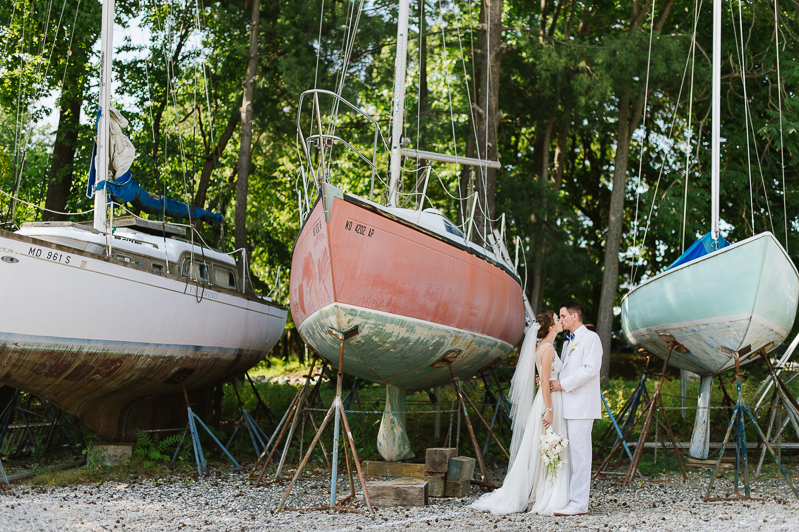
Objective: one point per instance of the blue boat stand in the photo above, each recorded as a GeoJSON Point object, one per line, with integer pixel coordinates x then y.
{"type": "Point", "coordinates": [199, 457]}
{"type": "Point", "coordinates": [738, 418]}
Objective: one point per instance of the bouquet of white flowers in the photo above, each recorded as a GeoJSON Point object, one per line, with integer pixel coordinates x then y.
{"type": "Point", "coordinates": [552, 447]}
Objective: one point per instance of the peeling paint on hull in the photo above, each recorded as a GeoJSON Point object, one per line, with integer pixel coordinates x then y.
{"type": "Point", "coordinates": [105, 341]}
{"type": "Point", "coordinates": [413, 295]}
{"type": "Point", "coordinates": [742, 295]}
{"type": "Point", "coordinates": [398, 350]}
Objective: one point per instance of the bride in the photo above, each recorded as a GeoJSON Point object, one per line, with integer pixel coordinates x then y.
{"type": "Point", "coordinates": [527, 485]}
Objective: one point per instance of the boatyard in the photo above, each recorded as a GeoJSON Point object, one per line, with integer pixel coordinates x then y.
{"type": "Point", "coordinates": [392, 265]}
{"type": "Point", "coordinates": [224, 501]}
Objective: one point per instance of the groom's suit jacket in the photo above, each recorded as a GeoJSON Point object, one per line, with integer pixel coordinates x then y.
{"type": "Point", "coordinates": [579, 377]}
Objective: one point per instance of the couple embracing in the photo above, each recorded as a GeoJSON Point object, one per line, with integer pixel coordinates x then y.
{"type": "Point", "coordinates": [562, 412]}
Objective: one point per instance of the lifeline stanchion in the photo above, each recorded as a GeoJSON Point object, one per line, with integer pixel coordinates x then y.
{"type": "Point", "coordinates": [655, 404]}
{"type": "Point", "coordinates": [199, 457]}
{"type": "Point", "coordinates": [336, 408]}
{"type": "Point", "coordinates": [737, 418]}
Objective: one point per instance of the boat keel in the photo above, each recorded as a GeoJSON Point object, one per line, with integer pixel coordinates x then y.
{"type": "Point", "coordinates": [700, 439]}
{"type": "Point", "coordinates": [392, 438]}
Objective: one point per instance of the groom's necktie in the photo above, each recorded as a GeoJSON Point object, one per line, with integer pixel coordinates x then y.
{"type": "Point", "coordinates": [570, 337]}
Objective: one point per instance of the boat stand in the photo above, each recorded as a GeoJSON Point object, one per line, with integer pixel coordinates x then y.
{"type": "Point", "coordinates": [298, 407]}
{"type": "Point", "coordinates": [791, 417]}
{"type": "Point", "coordinates": [199, 457]}
{"type": "Point", "coordinates": [3, 472]}
{"type": "Point", "coordinates": [628, 412]}
{"type": "Point", "coordinates": [13, 406]}
{"type": "Point", "coordinates": [257, 435]}
{"type": "Point", "coordinates": [463, 399]}
{"type": "Point", "coordinates": [271, 417]}
{"type": "Point", "coordinates": [336, 408]}
{"type": "Point", "coordinates": [501, 402]}
{"type": "Point", "coordinates": [654, 405]}
{"type": "Point", "coordinates": [737, 418]}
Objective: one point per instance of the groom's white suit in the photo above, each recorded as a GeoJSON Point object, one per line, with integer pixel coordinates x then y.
{"type": "Point", "coordinates": [579, 380]}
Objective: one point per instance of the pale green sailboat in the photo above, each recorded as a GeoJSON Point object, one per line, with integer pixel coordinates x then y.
{"type": "Point", "coordinates": [738, 298]}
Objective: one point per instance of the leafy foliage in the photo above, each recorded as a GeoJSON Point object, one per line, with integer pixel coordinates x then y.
{"type": "Point", "coordinates": [154, 451]}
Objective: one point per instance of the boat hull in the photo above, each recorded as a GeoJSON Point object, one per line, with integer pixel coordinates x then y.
{"type": "Point", "coordinates": [109, 343]}
{"type": "Point", "coordinates": [744, 295]}
{"type": "Point", "coordinates": [413, 296]}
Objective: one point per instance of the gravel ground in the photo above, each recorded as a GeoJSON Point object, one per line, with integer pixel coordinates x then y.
{"type": "Point", "coordinates": [223, 500]}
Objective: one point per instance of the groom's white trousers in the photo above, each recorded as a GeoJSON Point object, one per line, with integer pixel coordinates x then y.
{"type": "Point", "coordinates": [579, 434]}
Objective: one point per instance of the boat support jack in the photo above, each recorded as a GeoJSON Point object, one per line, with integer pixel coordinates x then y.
{"type": "Point", "coordinates": [737, 418]}
{"type": "Point", "coordinates": [191, 427]}
{"type": "Point", "coordinates": [654, 405]}
{"type": "Point", "coordinates": [340, 417]}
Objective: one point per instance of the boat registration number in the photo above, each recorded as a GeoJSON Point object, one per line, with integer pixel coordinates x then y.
{"type": "Point", "coordinates": [54, 256]}
{"type": "Point", "coordinates": [360, 229]}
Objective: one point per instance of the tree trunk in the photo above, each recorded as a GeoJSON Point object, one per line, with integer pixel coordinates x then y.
{"type": "Point", "coordinates": [628, 122]}
{"type": "Point", "coordinates": [245, 153]}
{"type": "Point", "coordinates": [610, 274]}
{"type": "Point", "coordinates": [492, 47]}
{"type": "Point", "coordinates": [212, 159]}
{"type": "Point", "coordinates": [59, 182]}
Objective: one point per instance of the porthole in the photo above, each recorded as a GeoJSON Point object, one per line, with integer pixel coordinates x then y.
{"type": "Point", "coordinates": [10, 260]}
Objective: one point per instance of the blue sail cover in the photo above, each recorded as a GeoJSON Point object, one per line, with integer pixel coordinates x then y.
{"type": "Point", "coordinates": [126, 190]}
{"type": "Point", "coordinates": [700, 248]}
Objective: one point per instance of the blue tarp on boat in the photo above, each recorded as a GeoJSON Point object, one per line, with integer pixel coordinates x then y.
{"type": "Point", "coordinates": [126, 190]}
{"type": "Point", "coordinates": [700, 248]}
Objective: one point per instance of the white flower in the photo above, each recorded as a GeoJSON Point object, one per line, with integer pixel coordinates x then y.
{"type": "Point", "coordinates": [552, 447]}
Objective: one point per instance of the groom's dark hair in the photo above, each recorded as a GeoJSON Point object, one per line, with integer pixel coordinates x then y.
{"type": "Point", "coordinates": [574, 308]}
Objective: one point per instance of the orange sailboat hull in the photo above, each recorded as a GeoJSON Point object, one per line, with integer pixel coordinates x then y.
{"type": "Point", "coordinates": [415, 295]}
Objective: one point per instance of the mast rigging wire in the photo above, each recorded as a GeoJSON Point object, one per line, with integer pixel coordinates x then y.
{"type": "Point", "coordinates": [782, 144]}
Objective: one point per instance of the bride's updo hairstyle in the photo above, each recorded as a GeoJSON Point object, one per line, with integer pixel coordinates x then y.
{"type": "Point", "coordinates": [545, 321]}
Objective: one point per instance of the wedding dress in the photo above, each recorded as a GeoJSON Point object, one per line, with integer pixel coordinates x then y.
{"type": "Point", "coordinates": [527, 484]}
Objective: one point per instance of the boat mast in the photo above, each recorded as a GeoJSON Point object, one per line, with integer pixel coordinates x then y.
{"type": "Point", "coordinates": [101, 162]}
{"type": "Point", "coordinates": [716, 122]}
{"type": "Point", "coordinates": [399, 103]}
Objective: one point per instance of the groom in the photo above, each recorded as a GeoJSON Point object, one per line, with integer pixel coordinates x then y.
{"type": "Point", "coordinates": [579, 384]}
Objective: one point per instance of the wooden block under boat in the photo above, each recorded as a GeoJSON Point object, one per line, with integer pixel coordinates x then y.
{"type": "Point", "coordinates": [393, 469]}
{"type": "Point", "coordinates": [461, 469]}
{"type": "Point", "coordinates": [437, 459]}
{"type": "Point", "coordinates": [455, 489]}
{"type": "Point", "coordinates": [387, 493]}
{"type": "Point", "coordinates": [435, 485]}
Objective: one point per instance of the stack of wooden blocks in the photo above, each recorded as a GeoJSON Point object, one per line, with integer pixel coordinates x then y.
{"type": "Point", "coordinates": [447, 475]}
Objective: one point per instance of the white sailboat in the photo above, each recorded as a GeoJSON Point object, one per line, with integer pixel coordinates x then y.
{"type": "Point", "coordinates": [107, 321]}
{"type": "Point", "coordinates": [739, 298]}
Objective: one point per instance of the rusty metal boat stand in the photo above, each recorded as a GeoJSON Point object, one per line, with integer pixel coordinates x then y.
{"type": "Point", "coordinates": [737, 419]}
{"type": "Point", "coordinates": [339, 414]}
{"type": "Point", "coordinates": [654, 405]}
{"type": "Point", "coordinates": [463, 400]}
{"type": "Point", "coordinates": [299, 408]}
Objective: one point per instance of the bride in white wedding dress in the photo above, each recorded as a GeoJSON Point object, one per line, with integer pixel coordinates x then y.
{"type": "Point", "coordinates": [527, 485]}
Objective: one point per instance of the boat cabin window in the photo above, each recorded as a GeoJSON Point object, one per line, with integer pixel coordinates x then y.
{"type": "Point", "coordinates": [201, 270]}
{"type": "Point", "coordinates": [158, 267]}
{"type": "Point", "coordinates": [224, 277]}
{"type": "Point", "coordinates": [122, 257]}
{"type": "Point", "coordinates": [450, 227]}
